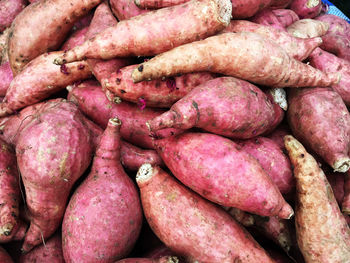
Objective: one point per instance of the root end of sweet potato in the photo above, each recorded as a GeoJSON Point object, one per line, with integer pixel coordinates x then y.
{"type": "Point", "coordinates": [144, 173]}
{"type": "Point", "coordinates": [342, 165]}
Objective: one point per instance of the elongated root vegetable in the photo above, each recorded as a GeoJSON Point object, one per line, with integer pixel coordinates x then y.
{"type": "Point", "coordinates": [212, 166]}
{"type": "Point", "coordinates": [103, 224]}
{"type": "Point", "coordinates": [224, 54]}
{"type": "Point", "coordinates": [55, 16]}
{"type": "Point", "coordinates": [9, 9]}
{"type": "Point", "coordinates": [52, 151]}
{"type": "Point", "coordinates": [319, 118]}
{"type": "Point", "coordinates": [279, 18]}
{"type": "Point", "coordinates": [196, 220]}
{"type": "Point", "coordinates": [9, 193]}
{"type": "Point", "coordinates": [125, 9]}
{"type": "Point", "coordinates": [236, 109]}
{"type": "Point", "coordinates": [93, 102]}
{"type": "Point", "coordinates": [4, 256]}
{"type": "Point", "coordinates": [167, 259]}
{"type": "Point", "coordinates": [322, 232]}
{"type": "Point", "coordinates": [102, 19]}
{"type": "Point", "coordinates": [306, 28]}
{"type": "Point", "coordinates": [295, 47]}
{"type": "Point", "coordinates": [39, 79]}
{"type": "Point", "coordinates": [306, 8]}
{"type": "Point", "coordinates": [181, 24]}
{"type": "Point", "coordinates": [156, 93]}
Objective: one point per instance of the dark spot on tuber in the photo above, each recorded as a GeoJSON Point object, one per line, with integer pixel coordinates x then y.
{"type": "Point", "coordinates": [64, 69]}
{"type": "Point", "coordinates": [140, 68]}
{"type": "Point", "coordinates": [122, 91]}
{"type": "Point", "coordinates": [302, 155]}
{"type": "Point", "coordinates": [117, 81]}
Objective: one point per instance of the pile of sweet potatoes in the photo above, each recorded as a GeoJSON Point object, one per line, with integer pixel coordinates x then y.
{"type": "Point", "coordinates": [167, 131]}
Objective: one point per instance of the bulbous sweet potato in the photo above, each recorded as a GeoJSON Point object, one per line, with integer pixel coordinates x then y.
{"type": "Point", "coordinates": [319, 118]}
{"type": "Point", "coordinates": [9, 9]}
{"type": "Point", "coordinates": [212, 166]}
{"type": "Point", "coordinates": [52, 151]}
{"type": "Point", "coordinates": [105, 210]}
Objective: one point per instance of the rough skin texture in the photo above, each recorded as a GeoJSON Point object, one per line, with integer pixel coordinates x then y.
{"type": "Point", "coordinates": [77, 38]}
{"type": "Point", "coordinates": [103, 218]}
{"type": "Point", "coordinates": [93, 102]}
{"type": "Point", "coordinates": [273, 160]}
{"type": "Point", "coordinates": [185, 222]}
{"type": "Point", "coordinates": [156, 93]}
{"type": "Point", "coordinates": [155, 4]}
{"type": "Point", "coordinates": [40, 79]}
{"type": "Point", "coordinates": [337, 25]}
{"type": "Point", "coordinates": [125, 9]}
{"type": "Point", "coordinates": [247, 8]}
{"type": "Point", "coordinates": [55, 16]}
{"type": "Point", "coordinates": [6, 77]}
{"type": "Point", "coordinates": [244, 218]}
{"type": "Point", "coordinates": [306, 8]}
{"type": "Point", "coordinates": [212, 166]}
{"type": "Point", "coordinates": [52, 153]}
{"type": "Point", "coordinates": [50, 253]}
{"type": "Point", "coordinates": [336, 180]}
{"type": "Point", "coordinates": [279, 18]}
{"type": "Point", "coordinates": [9, 193]}
{"type": "Point", "coordinates": [3, 46]}
{"type": "Point", "coordinates": [319, 118]}
{"type": "Point", "coordinates": [227, 106]}
{"type": "Point", "coordinates": [9, 9]}
{"type": "Point", "coordinates": [295, 47]}
{"type": "Point", "coordinates": [307, 28]}
{"type": "Point", "coordinates": [322, 232]}
{"type": "Point", "coordinates": [181, 24]}
{"type": "Point", "coordinates": [4, 256]}
{"type": "Point", "coordinates": [224, 54]}
{"type": "Point", "coordinates": [277, 4]}
{"type": "Point", "coordinates": [149, 260]}
{"type": "Point", "coordinates": [328, 62]}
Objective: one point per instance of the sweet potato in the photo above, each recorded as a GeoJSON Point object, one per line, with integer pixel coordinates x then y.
{"type": "Point", "coordinates": [306, 8]}
{"type": "Point", "coordinates": [50, 252]}
{"type": "Point", "coordinates": [93, 103]}
{"type": "Point", "coordinates": [337, 25]}
{"type": "Point", "coordinates": [273, 160]}
{"type": "Point", "coordinates": [278, 4]}
{"type": "Point", "coordinates": [9, 9]}
{"type": "Point", "coordinates": [52, 151]}
{"type": "Point", "coordinates": [212, 166]}
{"type": "Point", "coordinates": [6, 77]}
{"type": "Point", "coordinates": [103, 18]}
{"type": "Point", "coordinates": [306, 28]}
{"type": "Point", "coordinates": [336, 181]}
{"type": "Point", "coordinates": [181, 24]}
{"type": "Point", "coordinates": [155, 4]}
{"type": "Point", "coordinates": [279, 18]}
{"type": "Point", "coordinates": [105, 210]}
{"type": "Point", "coordinates": [125, 9]}
{"type": "Point", "coordinates": [322, 232]}
{"type": "Point", "coordinates": [25, 89]}
{"type": "Point", "coordinates": [48, 23]}
{"type": "Point", "coordinates": [223, 54]}
{"type": "Point", "coordinates": [295, 47]}
{"type": "Point", "coordinates": [195, 222]}
{"type": "Point", "coordinates": [328, 62]}
{"type": "Point", "coordinates": [157, 93]}
{"type": "Point", "coordinates": [10, 193]}
{"type": "Point", "coordinates": [77, 38]}
{"type": "Point", "coordinates": [4, 256]}
{"type": "Point", "coordinates": [170, 259]}
{"type": "Point", "coordinates": [319, 118]}
{"type": "Point", "coordinates": [244, 112]}
{"type": "Point", "coordinates": [278, 134]}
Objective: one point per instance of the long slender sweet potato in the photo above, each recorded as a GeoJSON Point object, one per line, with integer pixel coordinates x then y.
{"type": "Point", "coordinates": [190, 232]}
{"type": "Point", "coordinates": [244, 111]}
{"type": "Point", "coordinates": [48, 23]}
{"type": "Point", "coordinates": [25, 89]}
{"type": "Point", "coordinates": [328, 62]}
{"type": "Point", "coordinates": [157, 93]}
{"type": "Point", "coordinates": [295, 47]}
{"type": "Point", "coordinates": [125, 9]}
{"type": "Point", "coordinates": [322, 232]}
{"type": "Point", "coordinates": [224, 54]}
{"type": "Point", "coordinates": [181, 24]}
{"type": "Point", "coordinates": [9, 9]}
{"type": "Point", "coordinates": [319, 118]}
{"type": "Point", "coordinates": [306, 8]}
{"type": "Point", "coordinates": [279, 18]}
{"type": "Point", "coordinates": [273, 160]}
{"type": "Point", "coordinates": [212, 166]}
{"type": "Point", "coordinates": [306, 28]}
{"type": "Point", "coordinates": [4, 256]}
{"type": "Point", "coordinates": [50, 252]}
{"type": "Point", "coordinates": [52, 151]}
{"type": "Point", "coordinates": [93, 102]}
{"type": "Point", "coordinates": [105, 210]}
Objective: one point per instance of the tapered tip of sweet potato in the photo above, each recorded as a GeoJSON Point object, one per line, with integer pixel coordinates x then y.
{"type": "Point", "coordinates": [286, 212]}
{"type": "Point", "coordinates": [144, 173]}
{"type": "Point", "coordinates": [115, 121]}
{"type": "Point", "coordinates": [341, 165]}
{"type": "Point", "coordinates": [225, 11]}
{"type": "Point", "coordinates": [6, 229]}
{"type": "Point", "coordinates": [279, 97]}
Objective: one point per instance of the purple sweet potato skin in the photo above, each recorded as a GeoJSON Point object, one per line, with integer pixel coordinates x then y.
{"type": "Point", "coordinates": [247, 8]}
{"type": "Point", "coordinates": [51, 252]}
{"type": "Point", "coordinates": [306, 8]}
{"type": "Point", "coordinates": [212, 166]}
{"type": "Point", "coordinates": [93, 102]}
{"type": "Point", "coordinates": [76, 39]}
{"type": "Point", "coordinates": [319, 118]}
{"type": "Point", "coordinates": [170, 206]}
{"type": "Point", "coordinates": [328, 62]}
{"type": "Point", "coordinates": [52, 153]}
{"type": "Point", "coordinates": [278, 134]}
{"type": "Point", "coordinates": [6, 77]}
{"type": "Point", "coordinates": [278, 4]}
{"type": "Point", "coordinates": [337, 25]}
{"type": "Point", "coordinates": [4, 256]}
{"type": "Point", "coordinates": [9, 9]}
{"type": "Point", "coordinates": [243, 112]}
{"type": "Point", "coordinates": [273, 160]}
{"type": "Point", "coordinates": [103, 218]}
{"type": "Point", "coordinates": [279, 18]}
{"type": "Point", "coordinates": [125, 9]}
{"type": "Point", "coordinates": [157, 93]}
